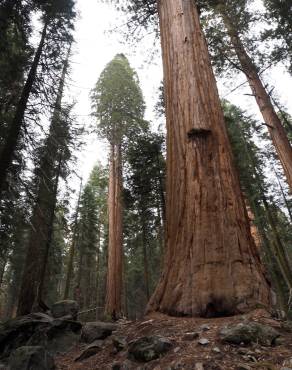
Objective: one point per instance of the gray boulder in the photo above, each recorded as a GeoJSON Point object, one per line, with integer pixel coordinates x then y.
{"type": "Point", "coordinates": [250, 332]}
{"type": "Point", "coordinates": [92, 331]}
{"type": "Point", "coordinates": [149, 348]}
{"type": "Point", "coordinates": [63, 335]}
{"type": "Point", "coordinates": [38, 330]}
{"type": "Point", "coordinates": [68, 309]}
{"type": "Point", "coordinates": [31, 358]}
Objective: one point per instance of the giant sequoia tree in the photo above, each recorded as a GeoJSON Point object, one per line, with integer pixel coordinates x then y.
{"type": "Point", "coordinates": [119, 109]}
{"type": "Point", "coordinates": [211, 265]}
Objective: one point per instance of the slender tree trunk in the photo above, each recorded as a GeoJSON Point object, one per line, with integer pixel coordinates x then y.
{"type": "Point", "coordinates": [43, 215]}
{"type": "Point", "coordinates": [97, 273]}
{"type": "Point", "coordinates": [270, 259]}
{"type": "Point", "coordinates": [277, 281]}
{"type": "Point", "coordinates": [283, 194]}
{"type": "Point", "coordinates": [126, 307]}
{"type": "Point", "coordinates": [43, 266]}
{"type": "Point", "coordinates": [160, 185]}
{"type": "Point", "coordinates": [212, 266]}
{"type": "Point", "coordinates": [78, 295]}
{"type": "Point", "coordinates": [87, 280]}
{"type": "Point", "coordinates": [29, 290]}
{"type": "Point", "coordinates": [145, 257]}
{"type": "Point", "coordinates": [261, 240]}
{"type": "Point", "coordinates": [70, 267]}
{"type": "Point", "coordinates": [12, 139]}
{"type": "Point", "coordinates": [80, 268]}
{"type": "Point", "coordinates": [275, 247]}
{"type": "Point", "coordinates": [113, 305]}
{"type": "Point", "coordinates": [271, 119]}
{"type": "Point", "coordinates": [72, 248]}
{"type": "Point", "coordinates": [278, 248]}
{"type": "Point", "coordinates": [3, 265]}
{"type": "Point", "coordinates": [160, 234]}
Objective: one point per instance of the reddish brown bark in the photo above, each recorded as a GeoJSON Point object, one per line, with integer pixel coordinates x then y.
{"type": "Point", "coordinates": [253, 228]}
{"type": "Point", "coordinates": [211, 265]}
{"type": "Point", "coordinates": [271, 119]}
{"type": "Point", "coordinates": [113, 300]}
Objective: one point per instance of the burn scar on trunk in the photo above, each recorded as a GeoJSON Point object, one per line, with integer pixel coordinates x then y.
{"type": "Point", "coordinates": [197, 133]}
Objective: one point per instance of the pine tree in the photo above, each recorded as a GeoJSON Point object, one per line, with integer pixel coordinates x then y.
{"type": "Point", "coordinates": [91, 228]}
{"type": "Point", "coordinates": [230, 45]}
{"type": "Point", "coordinates": [72, 250]}
{"type": "Point", "coordinates": [279, 12]}
{"type": "Point", "coordinates": [53, 157]}
{"type": "Point", "coordinates": [249, 161]}
{"type": "Point", "coordinates": [57, 20]}
{"type": "Point", "coordinates": [143, 226]}
{"type": "Point", "coordinates": [146, 184]}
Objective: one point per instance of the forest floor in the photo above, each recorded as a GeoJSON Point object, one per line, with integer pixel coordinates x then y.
{"type": "Point", "coordinates": [189, 354]}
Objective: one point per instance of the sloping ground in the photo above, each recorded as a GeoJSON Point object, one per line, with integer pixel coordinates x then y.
{"type": "Point", "coordinates": [186, 353]}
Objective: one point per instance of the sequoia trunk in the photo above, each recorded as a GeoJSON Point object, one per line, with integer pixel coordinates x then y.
{"type": "Point", "coordinates": [211, 264]}
{"type": "Point", "coordinates": [271, 119]}
{"type": "Point", "coordinates": [115, 259]}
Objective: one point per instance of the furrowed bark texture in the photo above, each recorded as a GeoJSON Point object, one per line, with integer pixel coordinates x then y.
{"type": "Point", "coordinates": [211, 266]}
{"type": "Point", "coordinates": [113, 302]}
{"type": "Point", "coordinates": [271, 119]}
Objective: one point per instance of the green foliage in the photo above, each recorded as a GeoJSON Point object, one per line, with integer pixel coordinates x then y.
{"type": "Point", "coordinates": [270, 216]}
{"type": "Point", "coordinates": [92, 226]}
{"type": "Point", "coordinates": [143, 218]}
{"type": "Point", "coordinates": [55, 268]}
{"type": "Point", "coordinates": [278, 16]}
{"type": "Point", "coordinates": [117, 101]}
{"type": "Point", "coordinates": [141, 15]}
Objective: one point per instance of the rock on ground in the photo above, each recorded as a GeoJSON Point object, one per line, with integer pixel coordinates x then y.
{"type": "Point", "coordinates": [92, 331]}
{"type": "Point", "coordinates": [38, 330]}
{"type": "Point", "coordinates": [67, 308]}
{"type": "Point", "coordinates": [251, 332]}
{"type": "Point", "coordinates": [31, 358]}
{"type": "Point", "coordinates": [90, 351]}
{"type": "Point", "coordinates": [148, 348]}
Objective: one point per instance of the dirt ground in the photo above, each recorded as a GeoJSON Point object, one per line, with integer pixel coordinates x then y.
{"type": "Point", "coordinates": [189, 354]}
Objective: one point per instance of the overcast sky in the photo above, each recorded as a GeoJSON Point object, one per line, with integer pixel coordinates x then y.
{"type": "Point", "coordinates": [95, 47]}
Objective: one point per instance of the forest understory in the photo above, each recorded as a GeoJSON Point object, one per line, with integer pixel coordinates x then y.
{"type": "Point", "coordinates": [186, 352]}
